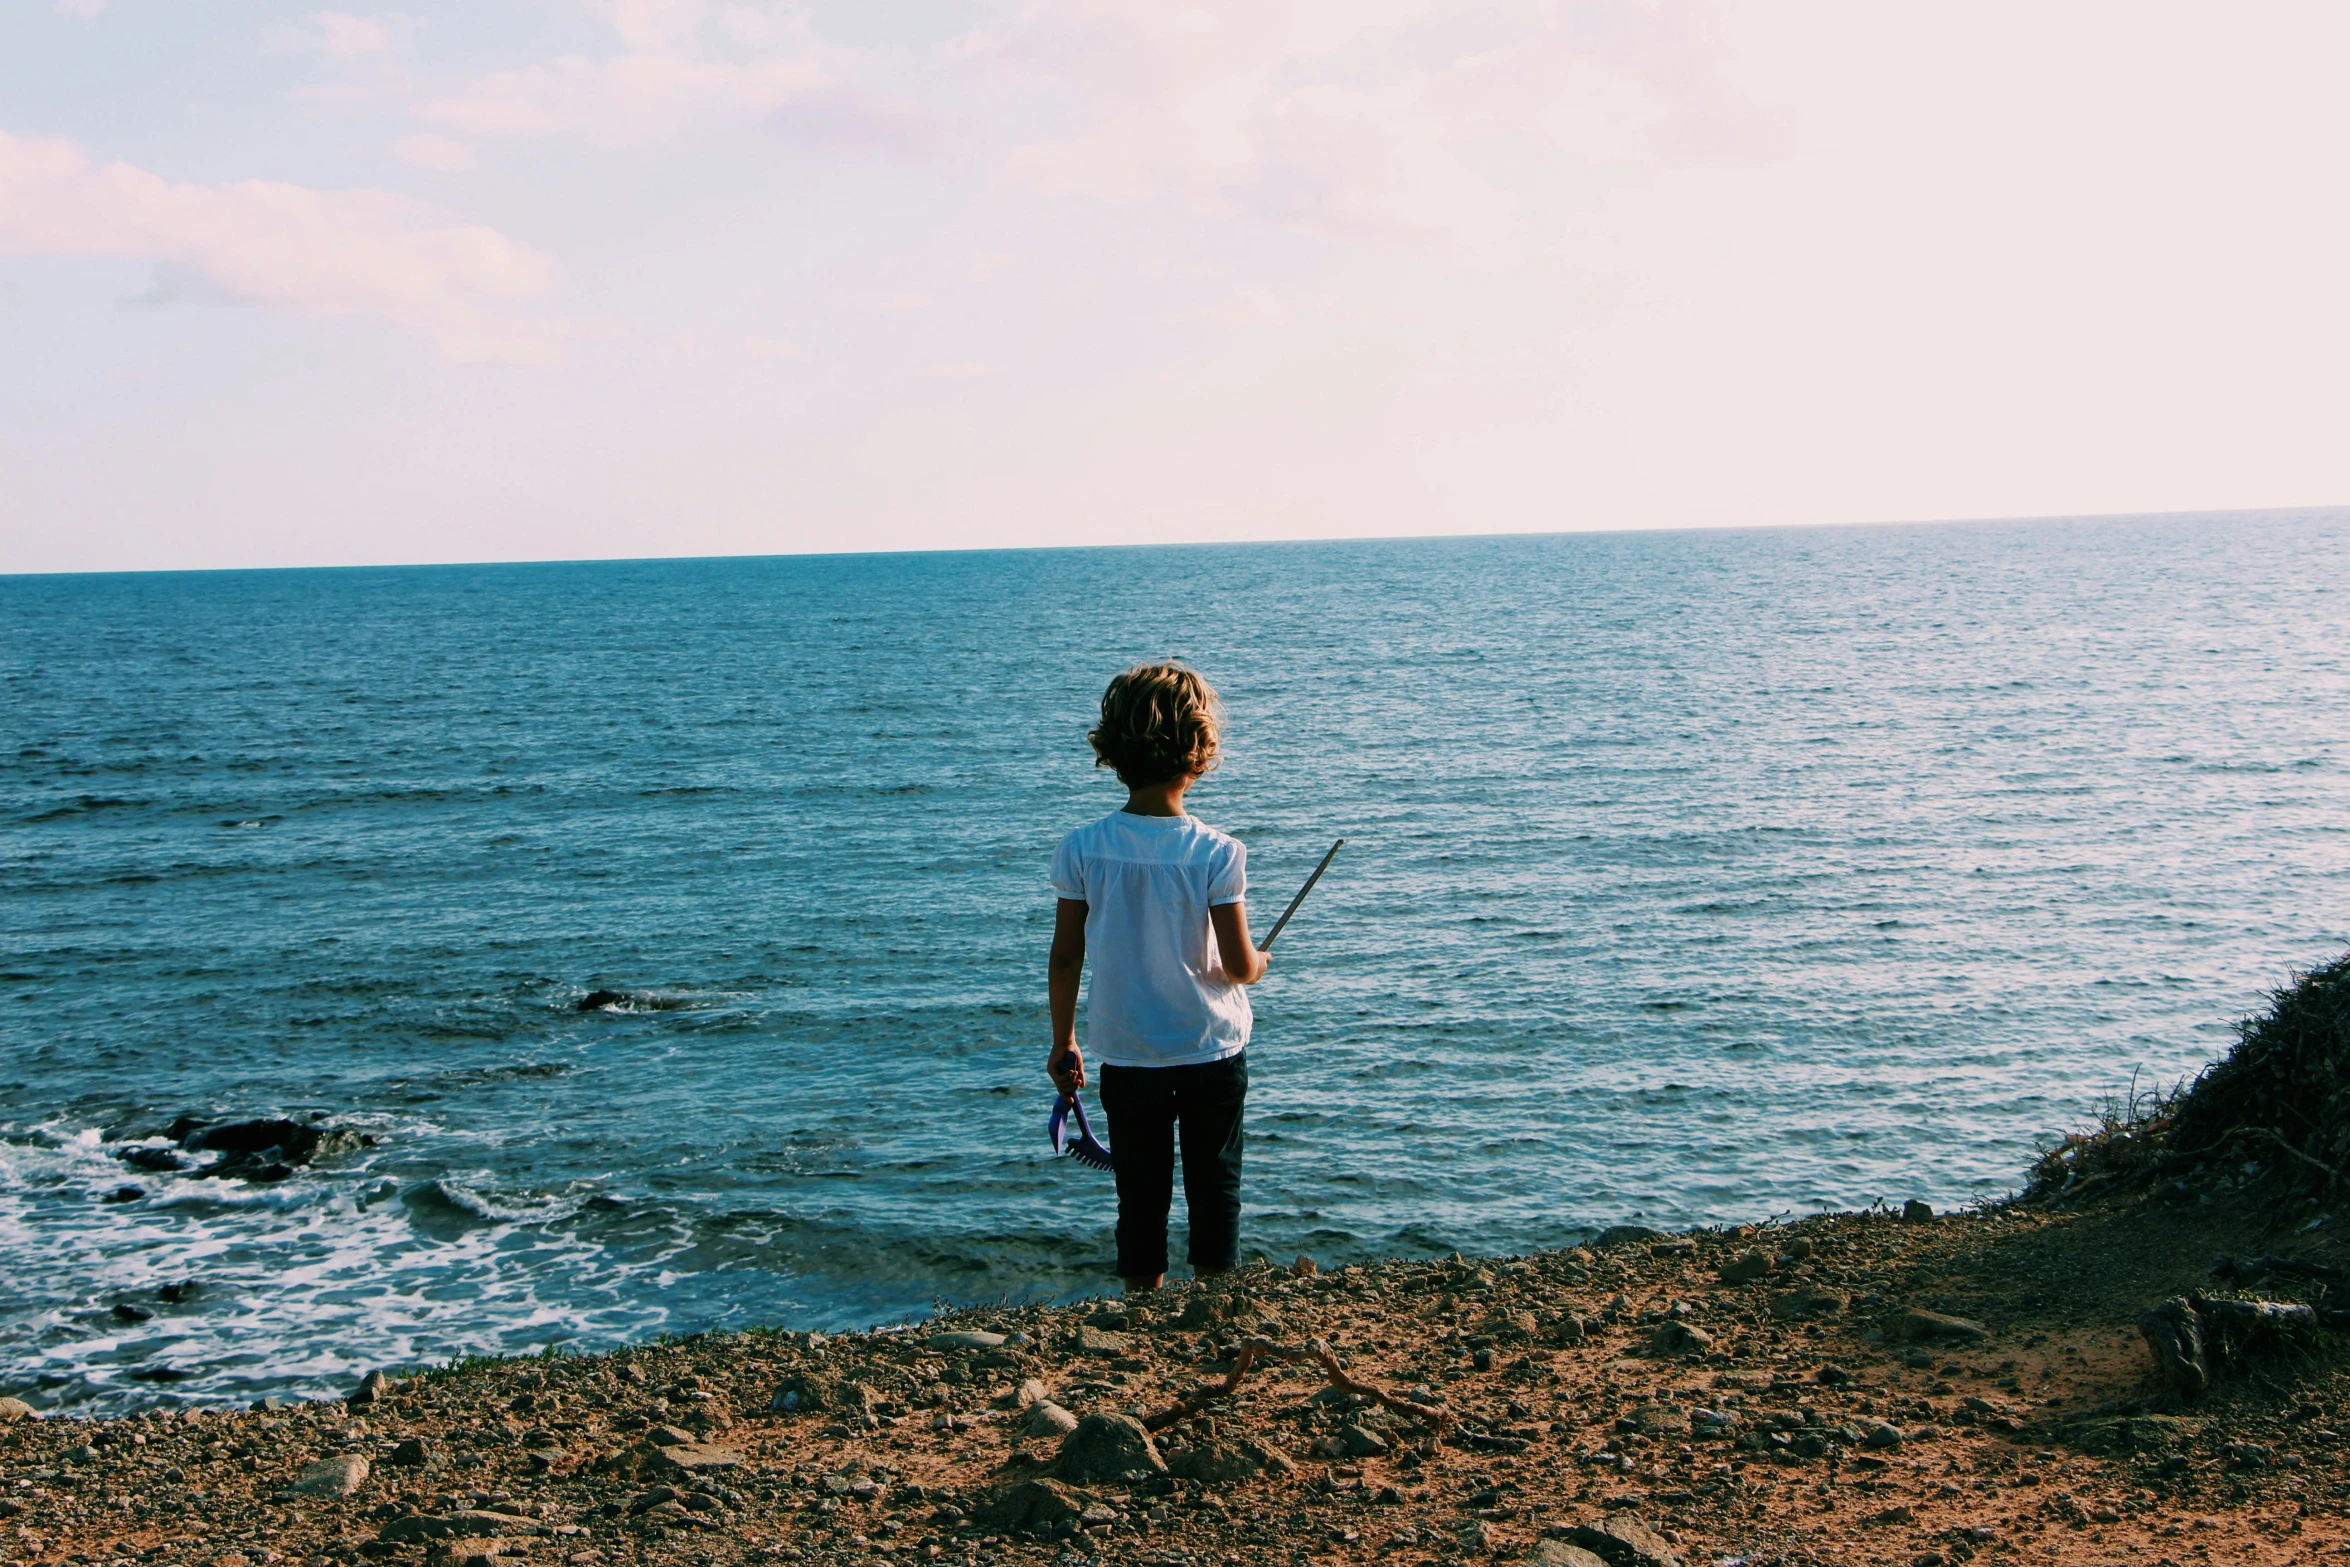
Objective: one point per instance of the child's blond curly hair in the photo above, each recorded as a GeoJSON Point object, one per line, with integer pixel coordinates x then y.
{"type": "Point", "coordinates": [1159, 721]}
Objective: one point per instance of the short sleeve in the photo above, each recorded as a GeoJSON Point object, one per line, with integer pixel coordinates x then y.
{"type": "Point", "coordinates": [1068, 872]}
{"type": "Point", "coordinates": [1228, 873]}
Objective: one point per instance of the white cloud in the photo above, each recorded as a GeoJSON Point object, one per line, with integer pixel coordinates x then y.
{"type": "Point", "coordinates": [326, 253]}
{"type": "Point", "coordinates": [339, 35]}
{"type": "Point", "coordinates": [664, 81]}
{"type": "Point", "coordinates": [1247, 307]}
{"type": "Point", "coordinates": [627, 98]}
{"type": "Point", "coordinates": [1364, 118]}
{"type": "Point", "coordinates": [82, 10]}
{"type": "Point", "coordinates": [985, 264]}
{"type": "Point", "coordinates": [427, 151]}
{"type": "Point", "coordinates": [771, 348]}
{"type": "Point", "coordinates": [958, 370]}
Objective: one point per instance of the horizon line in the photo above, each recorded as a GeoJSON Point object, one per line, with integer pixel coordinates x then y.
{"type": "Point", "coordinates": [2317, 508]}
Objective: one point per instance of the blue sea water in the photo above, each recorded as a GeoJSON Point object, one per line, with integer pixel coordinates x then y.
{"type": "Point", "coordinates": [1691, 877]}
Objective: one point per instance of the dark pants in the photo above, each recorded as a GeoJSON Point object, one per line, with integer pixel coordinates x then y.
{"type": "Point", "coordinates": [1146, 1106]}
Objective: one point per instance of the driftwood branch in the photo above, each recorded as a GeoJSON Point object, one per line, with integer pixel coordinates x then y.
{"type": "Point", "coordinates": [2332, 1174]}
{"type": "Point", "coordinates": [1317, 1352]}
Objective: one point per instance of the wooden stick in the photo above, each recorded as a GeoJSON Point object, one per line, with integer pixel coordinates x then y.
{"type": "Point", "coordinates": [1316, 1351]}
{"type": "Point", "coordinates": [1301, 895]}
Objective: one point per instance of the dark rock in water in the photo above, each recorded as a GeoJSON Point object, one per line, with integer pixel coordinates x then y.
{"type": "Point", "coordinates": [1108, 1447]}
{"type": "Point", "coordinates": [178, 1294]}
{"type": "Point", "coordinates": [126, 1194]}
{"type": "Point", "coordinates": [269, 1150]}
{"type": "Point", "coordinates": [158, 1374]}
{"type": "Point", "coordinates": [185, 1127]}
{"type": "Point", "coordinates": [597, 1000]}
{"type": "Point", "coordinates": [159, 1160]}
{"type": "Point", "coordinates": [124, 1311]}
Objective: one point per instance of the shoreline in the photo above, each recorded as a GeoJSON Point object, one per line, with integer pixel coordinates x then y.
{"type": "Point", "coordinates": [1760, 1393]}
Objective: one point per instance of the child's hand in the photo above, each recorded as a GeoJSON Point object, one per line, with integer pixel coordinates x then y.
{"type": "Point", "coordinates": [1067, 1069]}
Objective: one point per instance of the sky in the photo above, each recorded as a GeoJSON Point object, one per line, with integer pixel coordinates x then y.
{"type": "Point", "coordinates": [563, 279]}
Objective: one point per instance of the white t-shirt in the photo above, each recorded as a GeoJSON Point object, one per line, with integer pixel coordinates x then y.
{"type": "Point", "coordinates": [1157, 995]}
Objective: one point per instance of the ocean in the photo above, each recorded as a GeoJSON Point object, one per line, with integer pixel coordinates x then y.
{"type": "Point", "coordinates": [1691, 878]}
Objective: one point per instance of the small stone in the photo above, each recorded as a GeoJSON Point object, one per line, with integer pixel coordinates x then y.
{"type": "Point", "coordinates": [1918, 1324]}
{"type": "Point", "coordinates": [1624, 1234]}
{"type": "Point", "coordinates": [1102, 1343]}
{"type": "Point", "coordinates": [1046, 1418]}
{"type": "Point", "coordinates": [1800, 1249]}
{"type": "Point", "coordinates": [416, 1453]}
{"type": "Point", "coordinates": [1033, 1504]}
{"type": "Point", "coordinates": [1304, 1268]}
{"type": "Point", "coordinates": [1107, 1447]}
{"type": "Point", "coordinates": [1746, 1267]}
{"type": "Point", "coordinates": [336, 1476]}
{"type": "Point", "coordinates": [1916, 1212]}
{"type": "Point", "coordinates": [1833, 1376]}
{"type": "Point", "coordinates": [966, 1339]}
{"type": "Point", "coordinates": [1361, 1442]}
{"type": "Point", "coordinates": [1882, 1437]}
{"type": "Point", "coordinates": [1681, 1338]}
{"type": "Point", "coordinates": [1809, 1301]}
{"type": "Point", "coordinates": [373, 1386]}
{"type": "Point", "coordinates": [1030, 1392]}
{"type": "Point", "coordinates": [1676, 1248]}
{"type": "Point", "coordinates": [805, 1393]}
{"type": "Point", "coordinates": [1624, 1541]}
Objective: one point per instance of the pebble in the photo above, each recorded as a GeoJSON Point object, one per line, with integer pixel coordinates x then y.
{"type": "Point", "coordinates": [1046, 1418]}
{"type": "Point", "coordinates": [1745, 1268]}
{"type": "Point", "coordinates": [966, 1339]}
{"type": "Point", "coordinates": [1920, 1324]}
{"type": "Point", "coordinates": [337, 1476]}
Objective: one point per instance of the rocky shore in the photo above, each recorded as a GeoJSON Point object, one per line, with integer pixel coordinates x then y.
{"type": "Point", "coordinates": [1918, 1390]}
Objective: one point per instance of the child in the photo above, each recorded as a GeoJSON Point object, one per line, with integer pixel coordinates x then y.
{"type": "Point", "coordinates": [1157, 897]}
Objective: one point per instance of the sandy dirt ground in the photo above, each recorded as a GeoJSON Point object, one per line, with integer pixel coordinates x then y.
{"type": "Point", "coordinates": [1625, 1400]}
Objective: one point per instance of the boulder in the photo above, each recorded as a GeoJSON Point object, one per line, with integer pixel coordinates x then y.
{"type": "Point", "coordinates": [1746, 1267]}
{"type": "Point", "coordinates": [1362, 1442]}
{"type": "Point", "coordinates": [966, 1340]}
{"type": "Point", "coordinates": [1108, 1447]}
{"type": "Point", "coordinates": [1558, 1553]}
{"type": "Point", "coordinates": [14, 1409]}
{"type": "Point", "coordinates": [1917, 1324]}
{"type": "Point", "coordinates": [1030, 1392]}
{"type": "Point", "coordinates": [1624, 1541]}
{"type": "Point", "coordinates": [1917, 1212]}
{"type": "Point", "coordinates": [269, 1149]}
{"type": "Point", "coordinates": [1884, 1436]}
{"type": "Point", "coordinates": [371, 1387]}
{"type": "Point", "coordinates": [336, 1476]}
